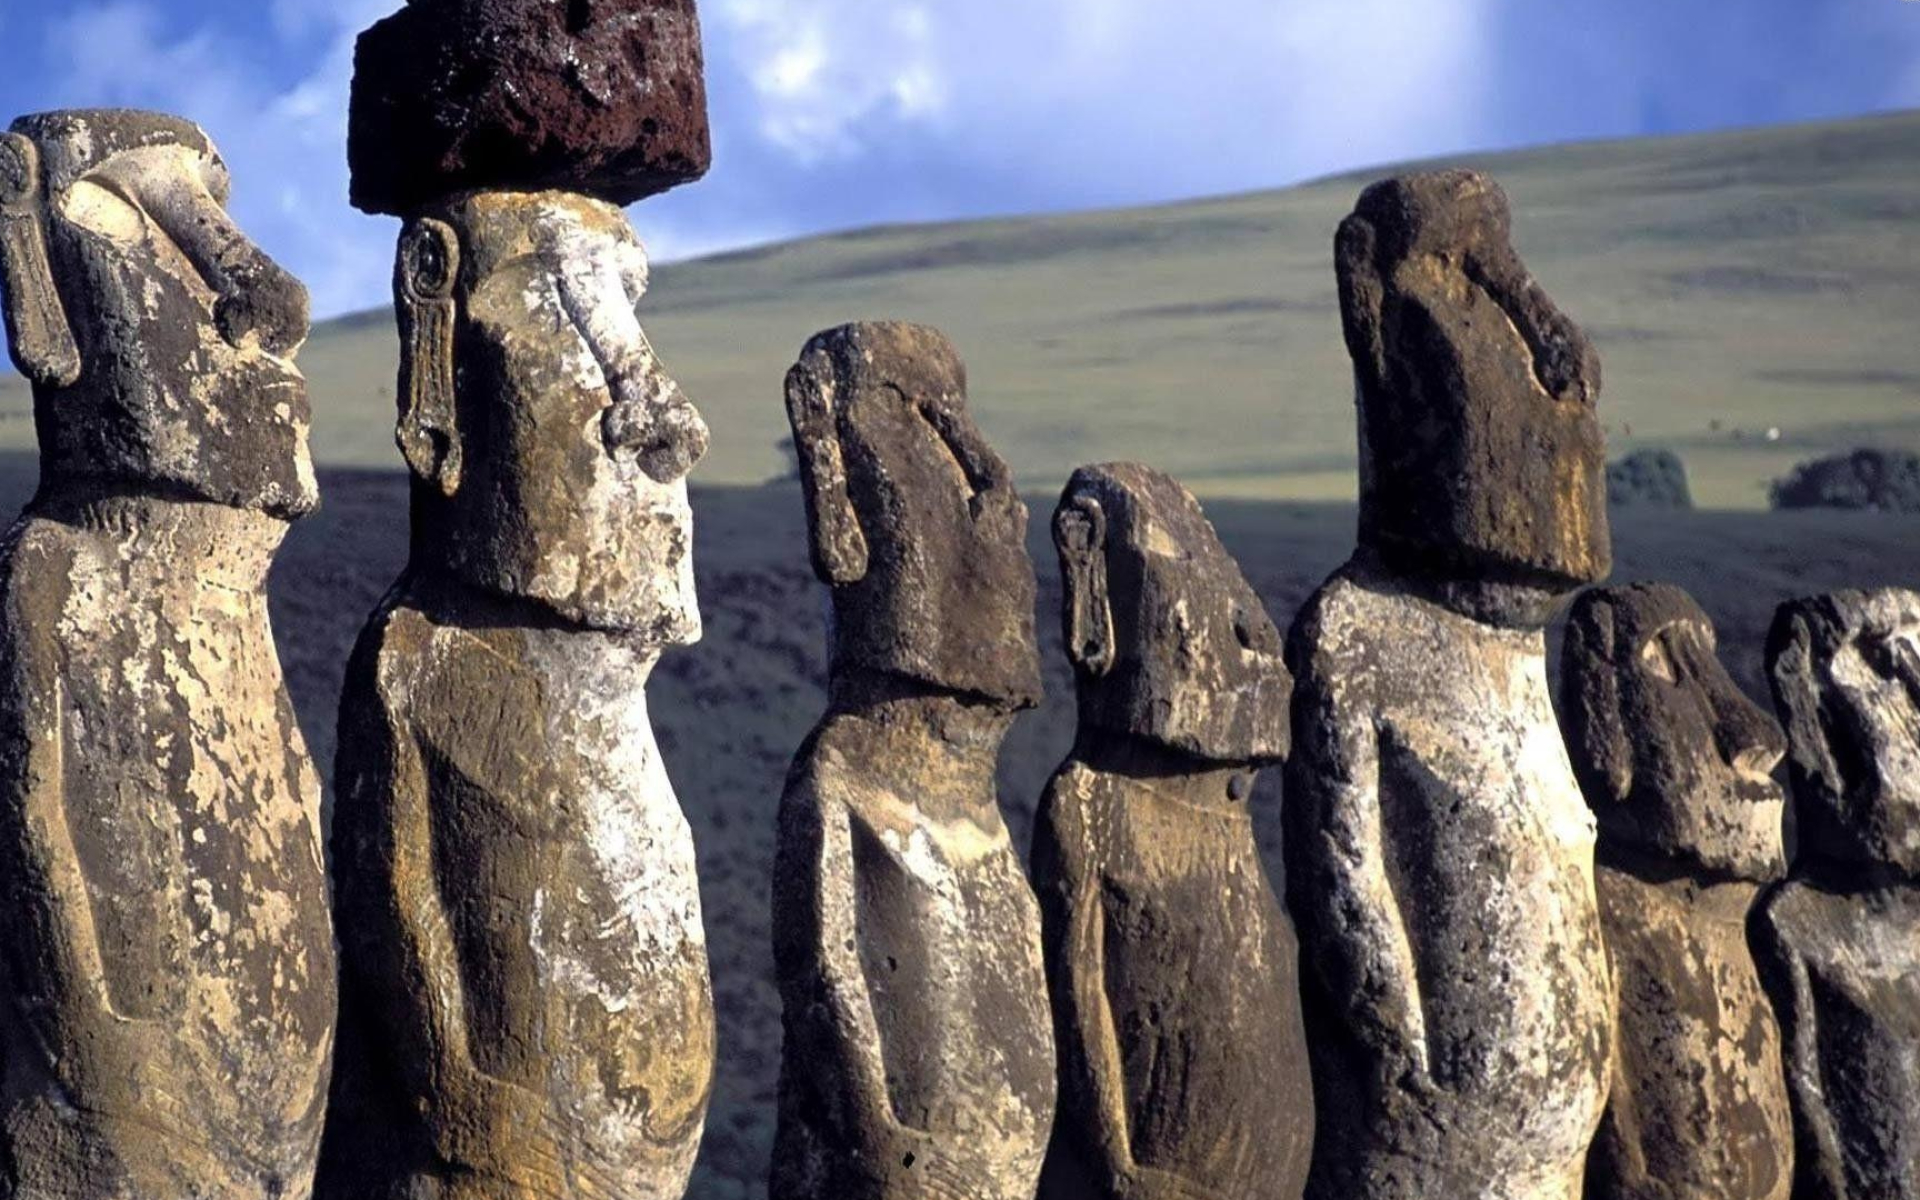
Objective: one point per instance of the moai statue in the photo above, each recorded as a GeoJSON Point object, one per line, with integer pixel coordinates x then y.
{"type": "Point", "coordinates": [918, 1059]}
{"type": "Point", "coordinates": [1439, 855]}
{"type": "Point", "coordinates": [1839, 942]}
{"type": "Point", "coordinates": [1677, 765]}
{"type": "Point", "coordinates": [527, 1012]}
{"type": "Point", "coordinates": [168, 967]}
{"type": "Point", "coordinates": [1174, 972]}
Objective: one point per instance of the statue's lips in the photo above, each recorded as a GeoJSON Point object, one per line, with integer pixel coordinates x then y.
{"type": "Point", "coordinates": [275, 381]}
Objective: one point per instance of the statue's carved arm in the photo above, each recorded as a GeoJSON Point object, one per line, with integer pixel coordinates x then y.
{"type": "Point", "coordinates": [1091, 1051]}
{"type": "Point", "coordinates": [847, 1033]}
{"type": "Point", "coordinates": [1360, 944]}
{"type": "Point", "coordinates": [92, 1047]}
{"type": "Point", "coordinates": [851, 1023]}
{"type": "Point", "coordinates": [411, 964]}
{"type": "Point", "coordinates": [1791, 989]}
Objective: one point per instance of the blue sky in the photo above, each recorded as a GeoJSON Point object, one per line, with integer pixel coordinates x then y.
{"type": "Point", "coordinates": [831, 114]}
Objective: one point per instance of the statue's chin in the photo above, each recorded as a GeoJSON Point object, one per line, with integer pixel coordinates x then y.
{"type": "Point", "coordinates": [647, 622]}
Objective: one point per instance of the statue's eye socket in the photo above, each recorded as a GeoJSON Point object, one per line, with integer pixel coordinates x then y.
{"type": "Point", "coordinates": [1657, 657]}
{"type": "Point", "coordinates": [100, 206]}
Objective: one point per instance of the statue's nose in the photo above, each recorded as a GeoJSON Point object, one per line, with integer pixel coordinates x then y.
{"type": "Point", "coordinates": [261, 299]}
{"type": "Point", "coordinates": [653, 420]}
{"type": "Point", "coordinates": [1749, 739]}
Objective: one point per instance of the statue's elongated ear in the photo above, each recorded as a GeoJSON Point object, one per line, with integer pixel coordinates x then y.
{"type": "Point", "coordinates": [1362, 297]}
{"type": "Point", "coordinates": [839, 546]}
{"type": "Point", "coordinates": [424, 275]}
{"type": "Point", "coordinates": [1796, 697]}
{"type": "Point", "coordinates": [1590, 679]}
{"type": "Point", "coordinates": [1080, 535]}
{"type": "Point", "coordinates": [37, 328]}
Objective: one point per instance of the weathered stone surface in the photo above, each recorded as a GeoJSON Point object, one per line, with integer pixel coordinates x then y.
{"type": "Point", "coordinates": [1174, 972]}
{"type": "Point", "coordinates": [1839, 943]}
{"type": "Point", "coordinates": [168, 977]}
{"type": "Point", "coordinates": [1677, 763]}
{"type": "Point", "coordinates": [606, 97]}
{"type": "Point", "coordinates": [549, 444]}
{"type": "Point", "coordinates": [913, 518]}
{"type": "Point", "coordinates": [918, 1057]}
{"type": "Point", "coordinates": [1841, 965]}
{"type": "Point", "coordinates": [1844, 669]}
{"type": "Point", "coordinates": [1699, 1101]}
{"type": "Point", "coordinates": [1439, 856]}
{"type": "Point", "coordinates": [1481, 460]}
{"type": "Point", "coordinates": [1172, 643]}
{"type": "Point", "coordinates": [527, 1010]}
{"type": "Point", "coordinates": [1651, 478]}
{"type": "Point", "coordinates": [185, 327]}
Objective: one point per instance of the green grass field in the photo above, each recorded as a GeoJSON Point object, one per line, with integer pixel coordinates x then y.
{"type": "Point", "coordinates": [1735, 282]}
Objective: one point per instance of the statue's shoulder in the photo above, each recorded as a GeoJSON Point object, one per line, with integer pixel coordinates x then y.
{"type": "Point", "coordinates": [1075, 804]}
{"type": "Point", "coordinates": [1075, 785]}
{"type": "Point", "coordinates": [390, 649]}
{"type": "Point", "coordinates": [1342, 637]}
{"type": "Point", "coordinates": [1345, 609]}
{"type": "Point", "coordinates": [821, 777]}
{"type": "Point", "coordinates": [1801, 917]}
{"type": "Point", "coordinates": [409, 655]}
{"type": "Point", "coordinates": [842, 759]}
{"type": "Point", "coordinates": [1644, 913]}
{"type": "Point", "coordinates": [38, 555]}
{"type": "Point", "coordinates": [42, 566]}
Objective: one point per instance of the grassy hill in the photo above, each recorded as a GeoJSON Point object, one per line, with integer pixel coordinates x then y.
{"type": "Point", "coordinates": [1736, 283]}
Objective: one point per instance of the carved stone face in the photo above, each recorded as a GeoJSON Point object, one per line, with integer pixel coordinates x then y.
{"type": "Point", "coordinates": [1846, 677]}
{"type": "Point", "coordinates": [549, 446]}
{"type": "Point", "coordinates": [1676, 762]}
{"type": "Point", "coordinates": [1170, 641]}
{"type": "Point", "coordinates": [160, 341]}
{"type": "Point", "coordinates": [914, 518]}
{"type": "Point", "coordinates": [1481, 454]}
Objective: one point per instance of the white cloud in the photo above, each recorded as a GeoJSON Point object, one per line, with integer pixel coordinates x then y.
{"type": "Point", "coordinates": [830, 113]}
{"type": "Point", "coordinates": [1113, 94]}
{"type": "Point", "coordinates": [285, 143]}
{"type": "Point", "coordinates": [818, 70]}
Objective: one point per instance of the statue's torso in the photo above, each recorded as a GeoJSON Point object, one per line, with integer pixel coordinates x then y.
{"type": "Point", "coordinates": [1200, 976]}
{"type": "Point", "coordinates": [1488, 851]}
{"type": "Point", "coordinates": [1699, 1104]}
{"type": "Point", "coordinates": [947, 935]}
{"type": "Point", "coordinates": [1861, 955]}
{"type": "Point", "coordinates": [193, 812]}
{"type": "Point", "coordinates": [566, 871]}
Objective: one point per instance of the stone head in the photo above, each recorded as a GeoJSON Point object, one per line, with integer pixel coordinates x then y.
{"type": "Point", "coordinates": [1168, 640]}
{"type": "Point", "coordinates": [549, 447]}
{"type": "Point", "coordinates": [913, 519]}
{"type": "Point", "coordinates": [605, 97]}
{"type": "Point", "coordinates": [1481, 454]}
{"type": "Point", "coordinates": [1845, 669]}
{"type": "Point", "coordinates": [158, 339]}
{"type": "Point", "coordinates": [1676, 762]}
